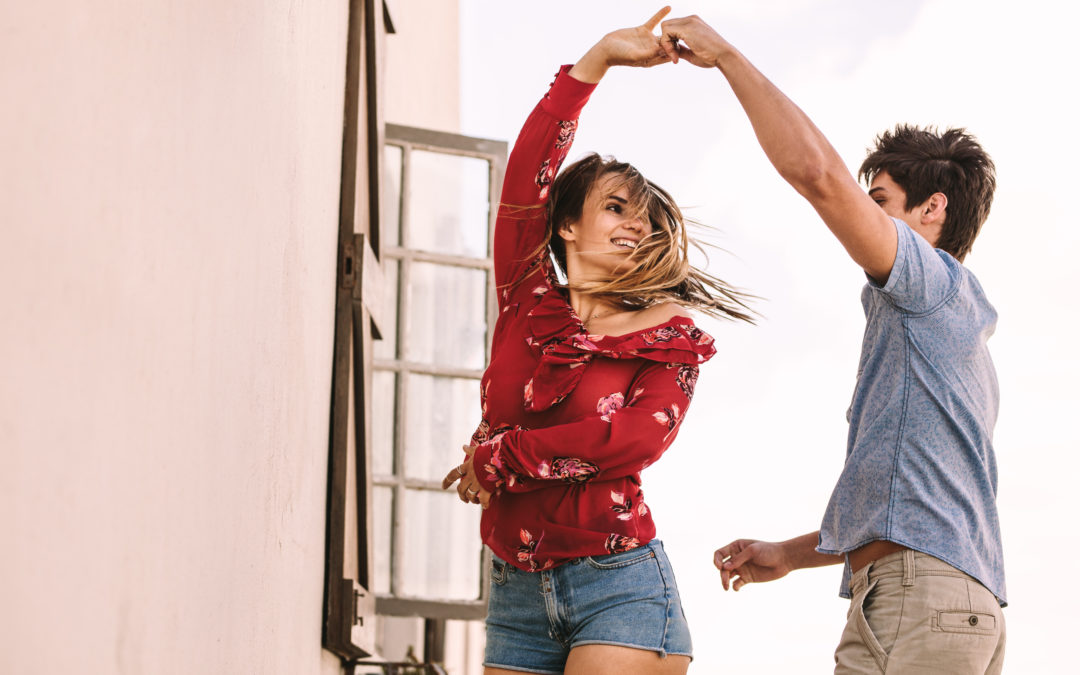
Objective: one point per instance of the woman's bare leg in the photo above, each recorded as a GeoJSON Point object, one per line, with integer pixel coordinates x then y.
{"type": "Point", "coordinates": [612, 660]}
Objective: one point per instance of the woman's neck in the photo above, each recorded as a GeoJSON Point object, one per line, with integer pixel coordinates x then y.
{"type": "Point", "coordinates": [585, 305]}
{"type": "Point", "coordinates": [589, 307]}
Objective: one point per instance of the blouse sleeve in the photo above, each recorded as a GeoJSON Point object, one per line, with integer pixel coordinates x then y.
{"type": "Point", "coordinates": [621, 439]}
{"type": "Point", "coordinates": [540, 149]}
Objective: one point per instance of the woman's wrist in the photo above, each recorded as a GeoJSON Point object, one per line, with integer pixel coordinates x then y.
{"type": "Point", "coordinates": [592, 67]}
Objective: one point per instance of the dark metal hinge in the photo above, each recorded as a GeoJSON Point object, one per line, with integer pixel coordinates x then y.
{"type": "Point", "coordinates": [358, 617]}
{"type": "Point", "coordinates": [350, 267]}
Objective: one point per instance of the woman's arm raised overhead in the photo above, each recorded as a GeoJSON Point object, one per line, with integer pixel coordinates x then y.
{"type": "Point", "coordinates": [543, 144]}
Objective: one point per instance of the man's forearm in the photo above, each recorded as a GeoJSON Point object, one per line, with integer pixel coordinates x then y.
{"type": "Point", "coordinates": [801, 552]}
{"type": "Point", "coordinates": [794, 145]}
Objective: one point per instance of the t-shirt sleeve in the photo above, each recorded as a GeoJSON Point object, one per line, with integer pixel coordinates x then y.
{"type": "Point", "coordinates": [922, 277]}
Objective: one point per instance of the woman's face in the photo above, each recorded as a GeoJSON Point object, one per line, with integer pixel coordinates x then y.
{"type": "Point", "coordinates": [603, 240]}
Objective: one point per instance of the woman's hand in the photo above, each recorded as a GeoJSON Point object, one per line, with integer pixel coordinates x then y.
{"type": "Point", "coordinates": [636, 46]}
{"type": "Point", "coordinates": [469, 489]}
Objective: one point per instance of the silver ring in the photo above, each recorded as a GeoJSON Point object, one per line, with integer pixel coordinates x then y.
{"type": "Point", "coordinates": [471, 492]}
{"type": "Point", "coordinates": [460, 471]}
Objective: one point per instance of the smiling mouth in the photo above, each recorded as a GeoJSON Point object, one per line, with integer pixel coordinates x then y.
{"type": "Point", "coordinates": [625, 243]}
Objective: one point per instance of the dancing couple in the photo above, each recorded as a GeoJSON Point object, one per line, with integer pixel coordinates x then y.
{"type": "Point", "coordinates": [595, 357]}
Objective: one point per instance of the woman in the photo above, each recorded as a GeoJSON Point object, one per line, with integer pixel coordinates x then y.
{"type": "Point", "coordinates": [587, 385]}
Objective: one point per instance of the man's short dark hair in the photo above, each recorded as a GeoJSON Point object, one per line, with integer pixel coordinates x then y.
{"type": "Point", "coordinates": [923, 161]}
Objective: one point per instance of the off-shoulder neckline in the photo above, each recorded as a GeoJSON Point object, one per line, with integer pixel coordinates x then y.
{"type": "Point", "coordinates": [601, 336]}
{"type": "Point", "coordinates": [684, 320]}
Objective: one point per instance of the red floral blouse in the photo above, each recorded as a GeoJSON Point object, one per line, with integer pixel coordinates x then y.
{"type": "Point", "coordinates": [569, 419]}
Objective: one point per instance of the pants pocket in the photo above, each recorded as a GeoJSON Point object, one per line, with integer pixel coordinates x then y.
{"type": "Point", "coordinates": [963, 621]}
{"type": "Point", "coordinates": [500, 571]}
{"type": "Point", "coordinates": [617, 560]}
{"type": "Point", "coordinates": [862, 621]}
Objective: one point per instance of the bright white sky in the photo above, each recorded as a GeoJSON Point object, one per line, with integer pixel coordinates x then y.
{"type": "Point", "coordinates": [764, 440]}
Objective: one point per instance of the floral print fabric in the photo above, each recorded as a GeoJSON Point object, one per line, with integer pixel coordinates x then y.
{"type": "Point", "coordinates": [568, 419]}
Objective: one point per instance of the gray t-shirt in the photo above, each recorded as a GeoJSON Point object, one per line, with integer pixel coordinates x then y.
{"type": "Point", "coordinates": [920, 468]}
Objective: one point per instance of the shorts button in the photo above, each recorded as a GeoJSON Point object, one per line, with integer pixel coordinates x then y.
{"type": "Point", "coordinates": [973, 620]}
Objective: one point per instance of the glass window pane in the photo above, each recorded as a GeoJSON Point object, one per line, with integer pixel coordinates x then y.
{"type": "Point", "coordinates": [442, 550]}
{"type": "Point", "coordinates": [447, 315]}
{"type": "Point", "coordinates": [448, 204]}
{"type": "Point", "coordinates": [386, 348]}
{"type": "Point", "coordinates": [383, 405]}
{"type": "Point", "coordinates": [441, 414]}
{"type": "Point", "coordinates": [382, 503]}
{"type": "Point", "coordinates": [391, 196]}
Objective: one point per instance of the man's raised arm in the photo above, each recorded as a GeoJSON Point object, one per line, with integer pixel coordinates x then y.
{"type": "Point", "coordinates": [799, 151]}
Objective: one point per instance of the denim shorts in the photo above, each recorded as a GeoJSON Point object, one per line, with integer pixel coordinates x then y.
{"type": "Point", "coordinates": [625, 599]}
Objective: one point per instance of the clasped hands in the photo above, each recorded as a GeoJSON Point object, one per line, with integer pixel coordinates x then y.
{"type": "Point", "coordinates": [687, 38]}
{"type": "Point", "coordinates": [469, 488]}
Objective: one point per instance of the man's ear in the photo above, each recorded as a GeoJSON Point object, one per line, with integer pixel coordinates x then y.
{"type": "Point", "coordinates": [933, 209]}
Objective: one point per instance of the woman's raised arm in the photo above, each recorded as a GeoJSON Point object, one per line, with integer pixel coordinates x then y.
{"type": "Point", "coordinates": [542, 146]}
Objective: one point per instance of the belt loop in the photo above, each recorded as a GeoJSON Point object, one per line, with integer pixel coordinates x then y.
{"type": "Point", "coordinates": [909, 568]}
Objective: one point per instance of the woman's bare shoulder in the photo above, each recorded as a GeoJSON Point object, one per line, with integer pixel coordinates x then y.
{"type": "Point", "coordinates": [658, 314]}
{"type": "Point", "coordinates": [666, 311]}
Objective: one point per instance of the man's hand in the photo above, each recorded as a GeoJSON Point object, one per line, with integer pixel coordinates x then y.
{"type": "Point", "coordinates": [469, 489]}
{"type": "Point", "coordinates": [692, 39]}
{"type": "Point", "coordinates": [748, 561]}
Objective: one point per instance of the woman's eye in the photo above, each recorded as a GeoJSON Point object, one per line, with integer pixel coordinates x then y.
{"type": "Point", "coordinates": [614, 208]}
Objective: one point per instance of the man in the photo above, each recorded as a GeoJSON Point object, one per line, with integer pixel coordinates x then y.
{"type": "Point", "coordinates": [913, 516]}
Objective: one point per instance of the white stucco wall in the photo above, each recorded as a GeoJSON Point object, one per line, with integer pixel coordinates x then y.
{"type": "Point", "coordinates": [422, 72]}
{"type": "Point", "coordinates": [168, 208]}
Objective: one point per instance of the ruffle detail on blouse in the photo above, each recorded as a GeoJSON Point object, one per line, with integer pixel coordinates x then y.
{"type": "Point", "coordinates": [564, 347]}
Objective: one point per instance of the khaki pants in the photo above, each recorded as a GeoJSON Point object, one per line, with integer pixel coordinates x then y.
{"type": "Point", "coordinates": [912, 613]}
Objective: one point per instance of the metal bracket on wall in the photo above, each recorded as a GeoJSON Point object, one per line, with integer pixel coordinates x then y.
{"type": "Point", "coordinates": [363, 276]}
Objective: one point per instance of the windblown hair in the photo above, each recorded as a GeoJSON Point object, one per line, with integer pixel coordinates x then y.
{"type": "Point", "coordinates": [924, 161]}
{"type": "Point", "coordinates": [662, 271]}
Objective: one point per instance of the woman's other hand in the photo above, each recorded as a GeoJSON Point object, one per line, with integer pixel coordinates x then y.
{"type": "Point", "coordinates": [636, 46]}
{"type": "Point", "coordinates": [469, 489]}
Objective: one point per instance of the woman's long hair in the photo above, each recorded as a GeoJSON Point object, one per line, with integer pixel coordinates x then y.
{"type": "Point", "coordinates": [662, 271]}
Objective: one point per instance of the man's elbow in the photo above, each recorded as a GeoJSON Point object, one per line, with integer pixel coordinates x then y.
{"type": "Point", "coordinates": [816, 179]}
